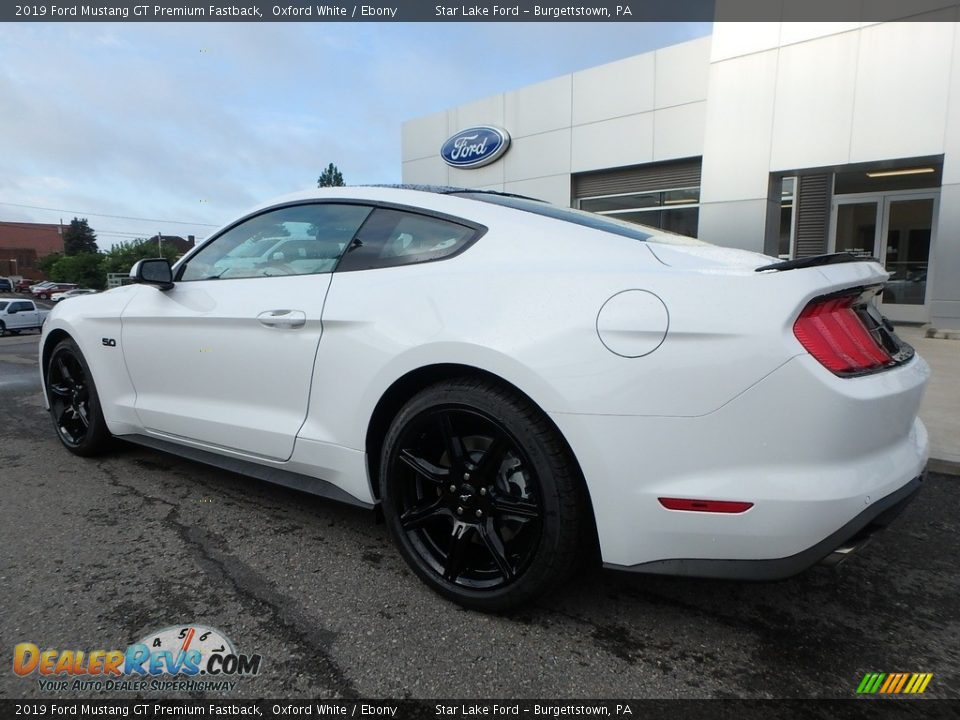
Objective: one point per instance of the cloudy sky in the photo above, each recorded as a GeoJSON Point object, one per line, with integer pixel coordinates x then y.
{"type": "Point", "coordinates": [198, 121]}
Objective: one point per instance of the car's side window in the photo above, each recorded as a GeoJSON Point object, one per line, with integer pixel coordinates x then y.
{"type": "Point", "coordinates": [293, 240]}
{"type": "Point", "coordinates": [21, 306]}
{"type": "Point", "coordinates": [392, 237]}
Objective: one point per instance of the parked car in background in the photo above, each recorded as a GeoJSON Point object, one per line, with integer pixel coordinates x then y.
{"type": "Point", "coordinates": [57, 297]}
{"type": "Point", "coordinates": [17, 315]}
{"type": "Point", "coordinates": [6, 285]}
{"type": "Point", "coordinates": [24, 285]}
{"type": "Point", "coordinates": [908, 288]}
{"type": "Point", "coordinates": [45, 292]}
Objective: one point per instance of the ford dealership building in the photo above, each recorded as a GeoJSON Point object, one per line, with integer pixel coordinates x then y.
{"type": "Point", "coordinates": [792, 139]}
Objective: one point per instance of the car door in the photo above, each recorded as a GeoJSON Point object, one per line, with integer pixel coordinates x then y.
{"type": "Point", "coordinates": [12, 317]}
{"type": "Point", "coordinates": [225, 358]}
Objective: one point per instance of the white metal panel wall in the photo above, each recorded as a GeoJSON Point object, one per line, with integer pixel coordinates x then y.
{"type": "Point", "coordinates": [945, 255]}
{"type": "Point", "coordinates": [903, 81]}
{"type": "Point", "coordinates": [650, 107]}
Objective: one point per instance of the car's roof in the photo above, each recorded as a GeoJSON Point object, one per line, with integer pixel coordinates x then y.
{"type": "Point", "coordinates": [466, 203]}
{"type": "Point", "coordinates": [398, 193]}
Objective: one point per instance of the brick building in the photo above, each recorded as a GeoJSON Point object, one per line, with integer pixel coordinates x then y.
{"type": "Point", "coordinates": [23, 245]}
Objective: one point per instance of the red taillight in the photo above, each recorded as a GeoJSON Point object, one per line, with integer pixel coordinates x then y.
{"type": "Point", "coordinates": [714, 506]}
{"type": "Point", "coordinates": [832, 331]}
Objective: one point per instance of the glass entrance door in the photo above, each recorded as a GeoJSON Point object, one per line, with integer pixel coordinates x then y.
{"type": "Point", "coordinates": [907, 231]}
{"type": "Point", "coordinates": [896, 229]}
{"type": "Point", "coordinates": [855, 227]}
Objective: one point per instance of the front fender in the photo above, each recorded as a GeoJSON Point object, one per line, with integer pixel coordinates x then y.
{"type": "Point", "coordinates": [90, 320]}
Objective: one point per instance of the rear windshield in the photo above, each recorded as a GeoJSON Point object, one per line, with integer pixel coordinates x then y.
{"type": "Point", "coordinates": [570, 215]}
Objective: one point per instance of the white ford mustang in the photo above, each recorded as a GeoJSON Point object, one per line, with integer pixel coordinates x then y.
{"type": "Point", "coordinates": [514, 384]}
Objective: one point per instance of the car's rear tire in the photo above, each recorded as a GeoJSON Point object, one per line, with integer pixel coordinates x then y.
{"type": "Point", "coordinates": [74, 402]}
{"type": "Point", "coordinates": [481, 496]}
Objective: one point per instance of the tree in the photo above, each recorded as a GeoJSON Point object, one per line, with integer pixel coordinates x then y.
{"type": "Point", "coordinates": [122, 256]}
{"type": "Point", "coordinates": [79, 238]}
{"type": "Point", "coordinates": [47, 262]}
{"type": "Point", "coordinates": [331, 177]}
{"type": "Point", "coordinates": [84, 269]}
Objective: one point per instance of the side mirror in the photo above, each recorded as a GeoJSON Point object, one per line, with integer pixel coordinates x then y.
{"type": "Point", "coordinates": [154, 271]}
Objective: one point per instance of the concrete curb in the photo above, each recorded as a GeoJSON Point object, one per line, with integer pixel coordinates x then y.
{"type": "Point", "coordinates": [944, 467]}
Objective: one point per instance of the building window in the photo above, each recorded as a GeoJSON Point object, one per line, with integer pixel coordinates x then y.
{"type": "Point", "coordinates": [788, 225]}
{"type": "Point", "coordinates": [675, 209]}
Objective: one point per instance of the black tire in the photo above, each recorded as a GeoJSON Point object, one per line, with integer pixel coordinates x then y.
{"type": "Point", "coordinates": [481, 496]}
{"type": "Point", "coordinates": [74, 402]}
{"type": "Point", "coordinates": [3, 329]}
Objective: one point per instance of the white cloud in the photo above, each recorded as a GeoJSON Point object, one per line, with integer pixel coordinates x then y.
{"type": "Point", "coordinates": [200, 120]}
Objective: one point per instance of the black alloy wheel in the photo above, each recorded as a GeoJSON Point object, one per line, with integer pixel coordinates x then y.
{"type": "Point", "coordinates": [74, 403]}
{"type": "Point", "coordinates": [480, 495]}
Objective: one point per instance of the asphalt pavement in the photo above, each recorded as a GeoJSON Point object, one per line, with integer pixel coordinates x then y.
{"type": "Point", "coordinates": [97, 553]}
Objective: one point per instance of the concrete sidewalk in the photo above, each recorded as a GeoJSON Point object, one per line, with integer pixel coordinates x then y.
{"type": "Point", "coordinates": [940, 410]}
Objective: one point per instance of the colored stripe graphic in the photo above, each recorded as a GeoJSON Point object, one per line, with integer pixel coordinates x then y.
{"type": "Point", "coordinates": [894, 683]}
{"type": "Point", "coordinates": [873, 681]}
{"type": "Point", "coordinates": [891, 681]}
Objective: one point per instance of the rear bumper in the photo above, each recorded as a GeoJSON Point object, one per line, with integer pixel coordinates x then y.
{"type": "Point", "coordinates": [831, 550]}
{"type": "Point", "coordinates": [814, 453]}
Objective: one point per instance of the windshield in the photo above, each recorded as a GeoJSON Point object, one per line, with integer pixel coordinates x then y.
{"type": "Point", "coordinates": [3, 305]}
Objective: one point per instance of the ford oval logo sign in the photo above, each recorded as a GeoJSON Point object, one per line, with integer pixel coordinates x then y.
{"type": "Point", "coordinates": [475, 147]}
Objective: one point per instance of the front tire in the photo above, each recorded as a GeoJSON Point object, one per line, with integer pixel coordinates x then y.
{"type": "Point", "coordinates": [74, 402]}
{"type": "Point", "coordinates": [481, 495]}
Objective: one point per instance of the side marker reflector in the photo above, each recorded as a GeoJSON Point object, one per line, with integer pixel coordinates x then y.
{"type": "Point", "coordinates": [712, 506]}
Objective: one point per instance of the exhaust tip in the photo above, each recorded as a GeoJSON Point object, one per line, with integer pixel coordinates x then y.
{"type": "Point", "coordinates": [839, 555]}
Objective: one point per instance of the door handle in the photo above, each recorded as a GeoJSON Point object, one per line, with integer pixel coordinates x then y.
{"type": "Point", "coordinates": [283, 318]}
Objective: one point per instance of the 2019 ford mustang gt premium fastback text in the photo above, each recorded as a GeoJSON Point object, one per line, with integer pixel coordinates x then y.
{"type": "Point", "coordinates": [514, 384]}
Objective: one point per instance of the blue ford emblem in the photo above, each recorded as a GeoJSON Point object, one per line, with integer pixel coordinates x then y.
{"type": "Point", "coordinates": [475, 146]}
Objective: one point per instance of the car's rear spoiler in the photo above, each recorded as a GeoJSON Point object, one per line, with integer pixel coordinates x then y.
{"type": "Point", "coordinates": [816, 260]}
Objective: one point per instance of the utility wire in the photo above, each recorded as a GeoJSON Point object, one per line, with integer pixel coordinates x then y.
{"type": "Point", "coordinates": [125, 234]}
{"type": "Point", "coordinates": [33, 226]}
{"type": "Point", "coordinates": [118, 217]}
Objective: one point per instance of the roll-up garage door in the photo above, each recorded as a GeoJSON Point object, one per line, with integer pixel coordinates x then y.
{"type": "Point", "coordinates": [640, 178]}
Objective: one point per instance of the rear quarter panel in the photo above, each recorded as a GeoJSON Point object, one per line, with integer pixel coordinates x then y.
{"type": "Point", "coordinates": [523, 304]}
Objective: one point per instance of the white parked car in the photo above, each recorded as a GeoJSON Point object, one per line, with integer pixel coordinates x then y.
{"type": "Point", "coordinates": [513, 383]}
{"type": "Point", "coordinates": [57, 297]}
